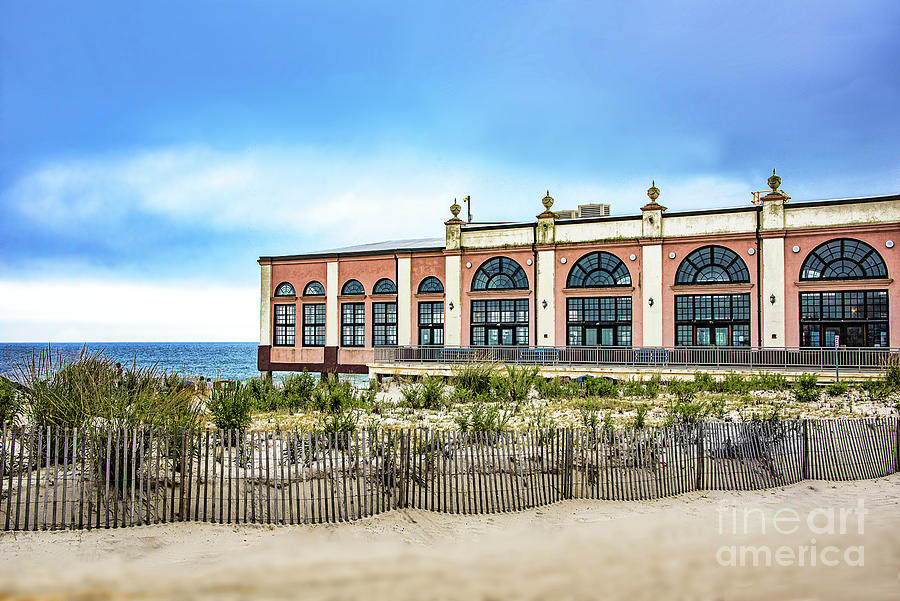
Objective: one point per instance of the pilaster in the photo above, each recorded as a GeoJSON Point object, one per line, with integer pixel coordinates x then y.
{"type": "Point", "coordinates": [332, 316]}
{"type": "Point", "coordinates": [265, 304]}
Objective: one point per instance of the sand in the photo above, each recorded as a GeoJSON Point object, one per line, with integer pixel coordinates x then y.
{"type": "Point", "coordinates": [666, 549]}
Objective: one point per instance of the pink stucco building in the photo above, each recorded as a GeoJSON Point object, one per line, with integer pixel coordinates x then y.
{"type": "Point", "coordinates": [774, 274]}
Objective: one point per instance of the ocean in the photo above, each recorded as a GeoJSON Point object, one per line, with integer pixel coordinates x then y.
{"type": "Point", "coordinates": [232, 360]}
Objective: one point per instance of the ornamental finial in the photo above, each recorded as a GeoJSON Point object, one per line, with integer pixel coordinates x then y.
{"type": "Point", "coordinates": [455, 209]}
{"type": "Point", "coordinates": [653, 191]}
{"type": "Point", "coordinates": [774, 181]}
{"type": "Point", "coordinates": [547, 201]}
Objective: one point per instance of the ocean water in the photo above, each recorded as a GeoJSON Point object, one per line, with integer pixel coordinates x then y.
{"type": "Point", "coordinates": [233, 360]}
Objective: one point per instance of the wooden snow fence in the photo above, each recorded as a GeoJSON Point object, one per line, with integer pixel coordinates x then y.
{"type": "Point", "coordinates": [56, 478]}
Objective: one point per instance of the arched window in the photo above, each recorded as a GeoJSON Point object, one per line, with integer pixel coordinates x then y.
{"type": "Point", "coordinates": [314, 288]}
{"type": "Point", "coordinates": [500, 273]}
{"type": "Point", "coordinates": [384, 286]}
{"type": "Point", "coordinates": [598, 269]}
{"type": "Point", "coordinates": [285, 289]}
{"type": "Point", "coordinates": [430, 284]}
{"type": "Point", "coordinates": [352, 287]}
{"type": "Point", "coordinates": [712, 265]}
{"type": "Point", "coordinates": [843, 259]}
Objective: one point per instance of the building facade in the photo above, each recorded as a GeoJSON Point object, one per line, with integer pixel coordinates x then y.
{"type": "Point", "coordinates": [775, 273]}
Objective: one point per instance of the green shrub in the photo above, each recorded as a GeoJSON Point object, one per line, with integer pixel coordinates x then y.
{"type": "Point", "coordinates": [230, 407]}
{"type": "Point", "coordinates": [474, 377]}
{"type": "Point", "coordinates": [483, 418]}
{"type": "Point", "coordinates": [640, 417]}
{"type": "Point", "coordinates": [806, 389]}
{"type": "Point", "coordinates": [263, 394]}
{"type": "Point", "coordinates": [683, 390]}
{"type": "Point", "coordinates": [296, 392]}
{"type": "Point", "coordinates": [704, 381]}
{"type": "Point", "coordinates": [642, 388]}
{"type": "Point", "coordinates": [688, 412]}
{"type": "Point", "coordinates": [515, 385]}
{"type": "Point", "coordinates": [540, 419]}
{"type": "Point", "coordinates": [551, 388]}
{"type": "Point", "coordinates": [733, 383]}
{"type": "Point", "coordinates": [410, 395]}
{"type": "Point", "coordinates": [607, 426]}
{"type": "Point", "coordinates": [601, 387]}
{"type": "Point", "coordinates": [427, 394]}
{"type": "Point", "coordinates": [892, 371]}
{"type": "Point", "coordinates": [769, 381]}
{"type": "Point", "coordinates": [334, 396]}
{"type": "Point", "coordinates": [9, 401]}
{"type": "Point", "coordinates": [433, 396]}
{"type": "Point", "coordinates": [837, 389]}
{"type": "Point", "coordinates": [876, 390]}
{"type": "Point", "coordinates": [341, 422]}
{"type": "Point", "coordinates": [590, 413]}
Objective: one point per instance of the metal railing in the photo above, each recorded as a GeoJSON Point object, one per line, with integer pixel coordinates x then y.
{"type": "Point", "coordinates": [788, 358]}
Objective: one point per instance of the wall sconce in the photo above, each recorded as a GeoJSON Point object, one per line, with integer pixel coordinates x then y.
{"type": "Point", "coordinates": [451, 305]}
{"type": "Point", "coordinates": [650, 301]}
{"type": "Point", "coordinates": [772, 299]}
{"type": "Point", "coordinates": [544, 304]}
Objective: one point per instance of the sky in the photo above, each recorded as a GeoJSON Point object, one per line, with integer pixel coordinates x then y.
{"type": "Point", "coordinates": [151, 152]}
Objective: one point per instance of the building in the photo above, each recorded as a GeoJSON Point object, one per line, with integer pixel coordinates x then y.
{"type": "Point", "coordinates": [769, 275]}
{"type": "Point", "coordinates": [583, 211]}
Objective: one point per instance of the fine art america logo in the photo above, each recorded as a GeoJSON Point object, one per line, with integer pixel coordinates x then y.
{"type": "Point", "coordinates": [794, 535]}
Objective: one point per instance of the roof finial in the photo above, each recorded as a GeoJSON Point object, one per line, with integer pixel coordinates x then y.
{"type": "Point", "coordinates": [653, 191]}
{"type": "Point", "coordinates": [774, 181]}
{"type": "Point", "coordinates": [455, 209]}
{"type": "Point", "coordinates": [547, 201]}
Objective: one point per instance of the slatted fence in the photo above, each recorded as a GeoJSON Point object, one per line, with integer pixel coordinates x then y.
{"type": "Point", "coordinates": [109, 478]}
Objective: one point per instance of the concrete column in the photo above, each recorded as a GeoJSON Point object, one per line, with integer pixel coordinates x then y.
{"type": "Point", "coordinates": [404, 301]}
{"type": "Point", "coordinates": [546, 317]}
{"type": "Point", "coordinates": [453, 294]}
{"type": "Point", "coordinates": [651, 257]}
{"type": "Point", "coordinates": [773, 283]}
{"type": "Point", "coordinates": [332, 316]}
{"type": "Point", "coordinates": [265, 305]}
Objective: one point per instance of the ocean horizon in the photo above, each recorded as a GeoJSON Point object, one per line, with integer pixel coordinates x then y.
{"type": "Point", "coordinates": [232, 360]}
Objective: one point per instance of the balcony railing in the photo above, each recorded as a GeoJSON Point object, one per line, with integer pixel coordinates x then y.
{"type": "Point", "coordinates": [791, 358]}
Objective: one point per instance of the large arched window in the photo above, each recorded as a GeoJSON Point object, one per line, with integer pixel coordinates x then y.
{"type": "Point", "coordinates": [843, 259]}
{"type": "Point", "coordinates": [352, 287]}
{"type": "Point", "coordinates": [844, 317]}
{"type": "Point", "coordinates": [598, 269]}
{"type": "Point", "coordinates": [500, 273]}
{"type": "Point", "coordinates": [430, 285]}
{"type": "Point", "coordinates": [384, 286]}
{"type": "Point", "coordinates": [285, 289]}
{"type": "Point", "coordinates": [314, 288]}
{"type": "Point", "coordinates": [712, 265]}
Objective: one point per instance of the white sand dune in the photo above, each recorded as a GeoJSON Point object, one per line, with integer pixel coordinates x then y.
{"type": "Point", "coordinates": [665, 549]}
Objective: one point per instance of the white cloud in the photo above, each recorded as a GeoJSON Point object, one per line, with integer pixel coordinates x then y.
{"type": "Point", "coordinates": [120, 311]}
{"type": "Point", "coordinates": [303, 192]}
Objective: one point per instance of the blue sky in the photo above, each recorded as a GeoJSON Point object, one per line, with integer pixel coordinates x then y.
{"type": "Point", "coordinates": [149, 152]}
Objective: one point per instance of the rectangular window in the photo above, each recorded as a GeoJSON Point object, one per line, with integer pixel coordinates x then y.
{"type": "Point", "coordinates": [852, 318]}
{"type": "Point", "coordinates": [684, 308]}
{"type": "Point", "coordinates": [285, 321]}
{"type": "Point", "coordinates": [353, 324]}
{"type": "Point", "coordinates": [384, 320]}
{"type": "Point", "coordinates": [604, 321]}
{"type": "Point", "coordinates": [431, 324]}
{"type": "Point", "coordinates": [500, 322]}
{"type": "Point", "coordinates": [831, 305]}
{"type": "Point", "coordinates": [314, 324]}
{"type": "Point", "coordinates": [707, 319]}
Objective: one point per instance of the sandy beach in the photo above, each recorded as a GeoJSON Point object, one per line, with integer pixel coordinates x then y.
{"type": "Point", "coordinates": [666, 549]}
